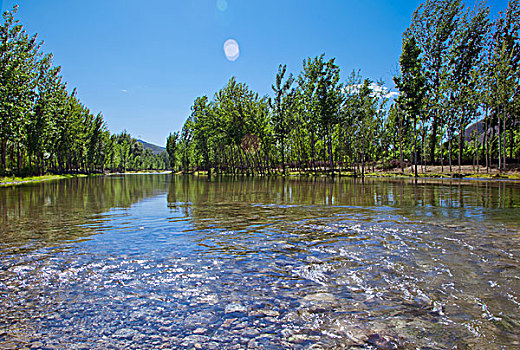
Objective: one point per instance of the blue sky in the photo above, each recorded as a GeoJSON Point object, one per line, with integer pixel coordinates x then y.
{"type": "Point", "coordinates": [142, 63]}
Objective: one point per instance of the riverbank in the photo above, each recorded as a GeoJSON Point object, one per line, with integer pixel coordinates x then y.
{"type": "Point", "coordinates": [464, 172]}
{"type": "Point", "coordinates": [14, 180]}
{"type": "Point", "coordinates": [140, 172]}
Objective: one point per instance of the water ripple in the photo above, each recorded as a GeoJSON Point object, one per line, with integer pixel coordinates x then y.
{"type": "Point", "coordinates": [211, 269]}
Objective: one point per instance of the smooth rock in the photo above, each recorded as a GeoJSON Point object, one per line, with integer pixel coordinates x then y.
{"type": "Point", "coordinates": [200, 330]}
{"type": "Point", "coordinates": [124, 333]}
{"type": "Point", "coordinates": [234, 307]}
{"type": "Point", "coordinates": [320, 297]}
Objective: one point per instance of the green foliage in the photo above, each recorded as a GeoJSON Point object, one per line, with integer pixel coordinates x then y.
{"type": "Point", "coordinates": [455, 69]}
{"type": "Point", "coordinates": [282, 105]}
{"type": "Point", "coordinates": [171, 149]}
{"type": "Point", "coordinates": [43, 128]}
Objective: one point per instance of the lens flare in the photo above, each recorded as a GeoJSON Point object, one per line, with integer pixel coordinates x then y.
{"type": "Point", "coordinates": [231, 50]}
{"type": "Point", "coordinates": [222, 5]}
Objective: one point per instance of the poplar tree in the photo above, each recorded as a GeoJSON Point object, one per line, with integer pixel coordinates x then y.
{"type": "Point", "coordinates": [330, 99]}
{"type": "Point", "coordinates": [171, 148]}
{"type": "Point", "coordinates": [412, 84]}
{"type": "Point", "coordinates": [282, 118]}
{"type": "Point", "coordinates": [18, 60]}
{"type": "Point", "coordinates": [434, 25]}
{"type": "Point", "coordinates": [463, 78]}
{"type": "Point", "coordinates": [505, 71]}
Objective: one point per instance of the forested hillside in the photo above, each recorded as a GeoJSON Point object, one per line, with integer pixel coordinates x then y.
{"type": "Point", "coordinates": [458, 66]}
{"type": "Point", "coordinates": [44, 128]}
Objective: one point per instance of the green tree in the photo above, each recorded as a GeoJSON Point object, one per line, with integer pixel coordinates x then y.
{"type": "Point", "coordinates": [330, 99]}
{"type": "Point", "coordinates": [433, 28]}
{"type": "Point", "coordinates": [41, 128]}
{"type": "Point", "coordinates": [412, 85]}
{"type": "Point", "coordinates": [464, 77]}
{"type": "Point", "coordinates": [171, 148]}
{"type": "Point", "coordinates": [282, 105]}
{"type": "Point", "coordinates": [202, 120]}
{"type": "Point", "coordinates": [505, 71]}
{"type": "Point", "coordinates": [18, 72]}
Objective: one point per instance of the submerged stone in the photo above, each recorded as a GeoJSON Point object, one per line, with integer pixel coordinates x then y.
{"type": "Point", "coordinates": [234, 307]}
{"type": "Point", "coordinates": [125, 333]}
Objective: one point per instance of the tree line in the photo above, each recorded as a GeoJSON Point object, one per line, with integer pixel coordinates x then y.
{"type": "Point", "coordinates": [44, 128]}
{"type": "Point", "coordinates": [458, 103]}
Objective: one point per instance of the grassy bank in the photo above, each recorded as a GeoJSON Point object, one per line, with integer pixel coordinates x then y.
{"type": "Point", "coordinates": [13, 180]}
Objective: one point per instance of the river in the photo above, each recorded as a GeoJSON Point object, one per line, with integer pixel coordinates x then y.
{"type": "Point", "coordinates": [165, 261]}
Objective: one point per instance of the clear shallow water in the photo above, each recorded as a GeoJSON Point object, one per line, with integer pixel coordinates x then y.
{"type": "Point", "coordinates": [154, 261]}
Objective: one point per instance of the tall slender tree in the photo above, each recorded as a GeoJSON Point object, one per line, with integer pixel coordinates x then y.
{"type": "Point", "coordinates": [281, 105]}
{"type": "Point", "coordinates": [412, 84]}
{"type": "Point", "coordinates": [434, 25]}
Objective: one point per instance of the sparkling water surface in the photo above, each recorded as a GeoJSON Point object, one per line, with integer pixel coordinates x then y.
{"type": "Point", "coordinates": [162, 261]}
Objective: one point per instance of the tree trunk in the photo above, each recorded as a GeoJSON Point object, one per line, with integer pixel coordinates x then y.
{"type": "Point", "coordinates": [449, 150]}
{"type": "Point", "coordinates": [423, 150]}
{"type": "Point", "coordinates": [18, 157]}
{"type": "Point", "coordinates": [3, 144]}
{"type": "Point", "coordinates": [354, 160]}
{"type": "Point", "coordinates": [283, 154]}
{"type": "Point", "coordinates": [442, 157]}
{"type": "Point", "coordinates": [39, 163]}
{"type": "Point", "coordinates": [241, 159]}
{"type": "Point", "coordinates": [460, 148]}
{"type": "Point", "coordinates": [298, 149]}
{"type": "Point", "coordinates": [485, 141]}
{"type": "Point", "coordinates": [363, 157]}
{"type": "Point", "coordinates": [433, 138]}
{"type": "Point", "coordinates": [474, 154]}
{"type": "Point", "coordinates": [324, 151]}
{"type": "Point", "coordinates": [330, 154]}
{"type": "Point", "coordinates": [313, 151]}
{"type": "Point", "coordinates": [415, 146]}
{"type": "Point", "coordinates": [401, 160]}
{"type": "Point", "coordinates": [13, 158]}
{"type": "Point", "coordinates": [478, 156]}
{"type": "Point", "coordinates": [504, 133]}
{"type": "Point", "coordinates": [267, 162]}
{"type": "Point", "coordinates": [491, 146]}
{"type": "Point", "coordinates": [250, 168]}
{"type": "Point", "coordinates": [499, 145]}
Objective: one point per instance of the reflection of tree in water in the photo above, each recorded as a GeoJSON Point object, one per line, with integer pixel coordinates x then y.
{"type": "Point", "coordinates": [245, 203]}
{"type": "Point", "coordinates": [284, 233]}
{"type": "Point", "coordinates": [60, 210]}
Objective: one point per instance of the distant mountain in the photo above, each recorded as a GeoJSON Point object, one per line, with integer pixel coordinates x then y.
{"type": "Point", "coordinates": [478, 127]}
{"type": "Point", "coordinates": [154, 148]}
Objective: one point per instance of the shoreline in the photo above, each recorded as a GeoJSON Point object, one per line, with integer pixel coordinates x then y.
{"type": "Point", "coordinates": [6, 181]}
{"type": "Point", "coordinates": [430, 173]}
{"type": "Point", "coordinates": [467, 172]}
